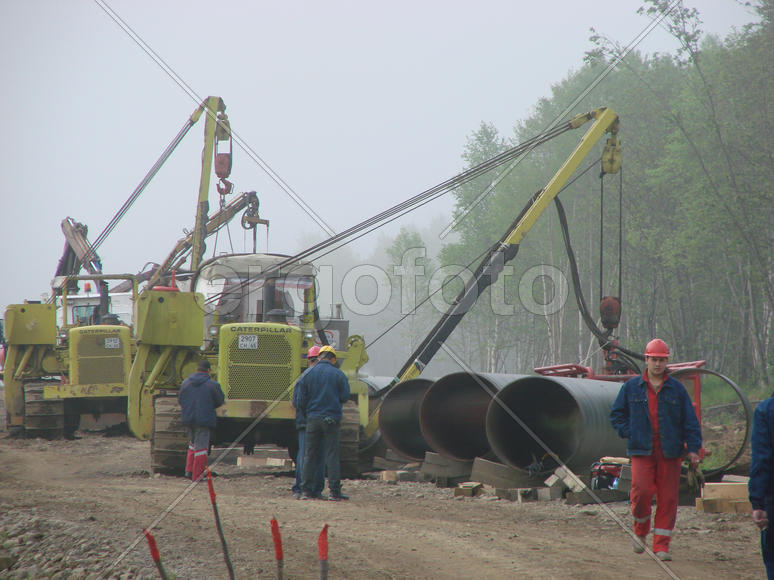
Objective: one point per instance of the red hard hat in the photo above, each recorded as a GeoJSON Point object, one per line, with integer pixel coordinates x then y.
{"type": "Point", "coordinates": [657, 347]}
{"type": "Point", "coordinates": [313, 352]}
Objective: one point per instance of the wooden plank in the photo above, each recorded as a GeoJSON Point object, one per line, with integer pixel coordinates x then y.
{"type": "Point", "coordinates": [734, 490]}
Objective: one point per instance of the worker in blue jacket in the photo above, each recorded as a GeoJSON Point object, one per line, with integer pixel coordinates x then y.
{"type": "Point", "coordinates": [656, 415]}
{"type": "Point", "coordinates": [311, 360]}
{"type": "Point", "coordinates": [199, 396]}
{"type": "Point", "coordinates": [321, 392]}
{"type": "Point", "coordinates": [761, 484]}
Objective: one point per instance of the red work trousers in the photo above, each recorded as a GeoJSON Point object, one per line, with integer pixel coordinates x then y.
{"type": "Point", "coordinates": [660, 476]}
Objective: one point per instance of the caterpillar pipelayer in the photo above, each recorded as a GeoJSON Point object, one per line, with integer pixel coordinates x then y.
{"type": "Point", "coordinates": [254, 321]}
{"type": "Point", "coordinates": [70, 358]}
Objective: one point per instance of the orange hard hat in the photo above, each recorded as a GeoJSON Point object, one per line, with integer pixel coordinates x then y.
{"type": "Point", "coordinates": [313, 352]}
{"type": "Point", "coordinates": [657, 347]}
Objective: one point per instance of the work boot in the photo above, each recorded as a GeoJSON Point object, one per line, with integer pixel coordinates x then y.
{"type": "Point", "coordinates": [663, 556]}
{"type": "Point", "coordinates": [338, 497]}
{"type": "Point", "coordinates": [638, 544]}
{"type": "Point", "coordinates": [187, 475]}
{"type": "Point", "coordinates": [305, 495]}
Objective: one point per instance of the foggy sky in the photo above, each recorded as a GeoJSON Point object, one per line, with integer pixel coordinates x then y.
{"type": "Point", "coordinates": [355, 105]}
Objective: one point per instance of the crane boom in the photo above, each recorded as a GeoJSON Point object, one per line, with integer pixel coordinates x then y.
{"type": "Point", "coordinates": [506, 248]}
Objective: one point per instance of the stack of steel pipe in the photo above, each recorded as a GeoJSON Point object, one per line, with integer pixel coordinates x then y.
{"type": "Point", "coordinates": [513, 418]}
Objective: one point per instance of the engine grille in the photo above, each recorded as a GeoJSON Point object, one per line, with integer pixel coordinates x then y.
{"type": "Point", "coordinates": [98, 364]}
{"type": "Point", "coordinates": [263, 373]}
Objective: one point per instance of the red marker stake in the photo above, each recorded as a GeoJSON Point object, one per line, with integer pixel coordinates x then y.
{"type": "Point", "coordinates": [322, 550]}
{"type": "Point", "coordinates": [217, 524]}
{"type": "Point", "coordinates": [155, 553]}
{"type": "Point", "coordinates": [275, 534]}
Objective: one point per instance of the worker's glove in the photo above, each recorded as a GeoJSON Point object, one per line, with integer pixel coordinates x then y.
{"type": "Point", "coordinates": [695, 479]}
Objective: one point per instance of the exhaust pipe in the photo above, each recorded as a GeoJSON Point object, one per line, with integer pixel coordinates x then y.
{"type": "Point", "coordinates": [399, 419]}
{"type": "Point", "coordinates": [570, 416]}
{"type": "Point", "coordinates": [452, 415]}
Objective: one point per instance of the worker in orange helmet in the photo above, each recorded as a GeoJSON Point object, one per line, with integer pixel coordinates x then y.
{"type": "Point", "coordinates": [655, 414]}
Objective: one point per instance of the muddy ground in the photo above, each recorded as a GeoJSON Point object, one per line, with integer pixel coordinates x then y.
{"type": "Point", "coordinates": [76, 509]}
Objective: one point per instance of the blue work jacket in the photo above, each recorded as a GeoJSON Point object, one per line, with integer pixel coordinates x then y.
{"type": "Point", "coordinates": [300, 415]}
{"type": "Point", "coordinates": [199, 396]}
{"type": "Point", "coordinates": [321, 391]}
{"type": "Point", "coordinates": [761, 484]}
{"type": "Point", "coordinates": [677, 423]}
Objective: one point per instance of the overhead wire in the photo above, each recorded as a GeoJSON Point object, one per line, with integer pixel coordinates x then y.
{"type": "Point", "coordinates": [409, 205]}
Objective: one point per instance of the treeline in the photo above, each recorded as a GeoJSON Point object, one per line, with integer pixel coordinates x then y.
{"type": "Point", "coordinates": [695, 215]}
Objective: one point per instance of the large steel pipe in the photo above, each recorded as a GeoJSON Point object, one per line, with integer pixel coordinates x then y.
{"type": "Point", "coordinates": [399, 418]}
{"type": "Point", "coordinates": [570, 417]}
{"type": "Point", "coordinates": [452, 415]}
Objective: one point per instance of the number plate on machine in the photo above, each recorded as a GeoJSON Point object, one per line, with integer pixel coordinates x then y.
{"type": "Point", "coordinates": [248, 341]}
{"type": "Point", "coordinates": [112, 342]}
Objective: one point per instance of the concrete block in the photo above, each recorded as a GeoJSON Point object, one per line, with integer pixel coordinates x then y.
{"type": "Point", "coordinates": [549, 493]}
{"type": "Point", "coordinates": [604, 495]}
{"type": "Point", "coordinates": [554, 481]}
{"type": "Point", "coordinates": [500, 475]}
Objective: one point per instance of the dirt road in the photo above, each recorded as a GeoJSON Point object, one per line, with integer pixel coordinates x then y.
{"type": "Point", "coordinates": [72, 509]}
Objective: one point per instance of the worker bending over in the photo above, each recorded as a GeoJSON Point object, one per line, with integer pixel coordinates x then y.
{"type": "Point", "coordinates": [199, 396]}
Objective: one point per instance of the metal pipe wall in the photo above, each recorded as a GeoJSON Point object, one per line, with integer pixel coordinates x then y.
{"type": "Point", "coordinates": [399, 419]}
{"type": "Point", "coordinates": [452, 414]}
{"type": "Point", "coordinates": [571, 416]}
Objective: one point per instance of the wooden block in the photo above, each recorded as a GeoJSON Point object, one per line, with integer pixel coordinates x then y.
{"type": "Point", "coordinates": [604, 495]}
{"type": "Point", "coordinates": [388, 475]}
{"type": "Point", "coordinates": [719, 505]}
{"type": "Point", "coordinates": [742, 506]}
{"type": "Point", "coordinates": [734, 490]}
{"type": "Point", "coordinates": [549, 493]}
{"type": "Point", "coordinates": [501, 476]}
{"type": "Point", "coordinates": [468, 489]}
{"type": "Point", "coordinates": [278, 462]}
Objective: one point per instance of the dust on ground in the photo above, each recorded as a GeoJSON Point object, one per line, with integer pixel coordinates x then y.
{"type": "Point", "coordinates": [76, 509]}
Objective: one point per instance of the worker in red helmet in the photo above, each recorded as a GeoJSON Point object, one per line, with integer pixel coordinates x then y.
{"type": "Point", "coordinates": [321, 393]}
{"type": "Point", "coordinates": [319, 484]}
{"type": "Point", "coordinates": [655, 414]}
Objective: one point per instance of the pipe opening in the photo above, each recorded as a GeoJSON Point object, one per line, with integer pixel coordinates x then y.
{"type": "Point", "coordinates": [453, 415]}
{"type": "Point", "coordinates": [548, 410]}
{"type": "Point", "coordinates": [399, 419]}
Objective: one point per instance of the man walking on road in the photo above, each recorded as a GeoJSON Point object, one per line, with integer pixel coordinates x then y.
{"type": "Point", "coordinates": [319, 482]}
{"type": "Point", "coordinates": [199, 396]}
{"type": "Point", "coordinates": [761, 484]}
{"type": "Point", "coordinates": [655, 414]}
{"type": "Point", "coordinates": [321, 393]}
